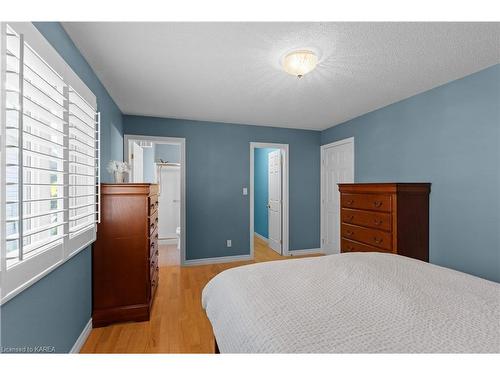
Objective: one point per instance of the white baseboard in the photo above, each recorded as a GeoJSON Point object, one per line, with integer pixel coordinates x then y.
{"type": "Point", "coordinates": [234, 258]}
{"type": "Point", "coordinates": [266, 240]}
{"type": "Point", "coordinates": [240, 258]}
{"type": "Point", "coordinates": [306, 251]}
{"type": "Point", "coordinates": [82, 338]}
{"type": "Point", "coordinates": [168, 241]}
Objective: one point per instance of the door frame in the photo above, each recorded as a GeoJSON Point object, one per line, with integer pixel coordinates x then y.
{"type": "Point", "coordinates": [284, 197]}
{"type": "Point", "coordinates": [341, 142]}
{"type": "Point", "coordinates": [168, 140]}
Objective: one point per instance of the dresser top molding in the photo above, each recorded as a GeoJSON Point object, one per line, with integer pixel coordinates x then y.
{"type": "Point", "coordinates": [386, 187]}
{"type": "Point", "coordinates": [129, 189]}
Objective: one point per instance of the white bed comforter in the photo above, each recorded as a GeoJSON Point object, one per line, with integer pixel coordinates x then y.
{"type": "Point", "coordinates": [354, 302]}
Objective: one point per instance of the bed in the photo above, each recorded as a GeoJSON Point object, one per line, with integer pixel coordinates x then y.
{"type": "Point", "coordinates": [352, 303]}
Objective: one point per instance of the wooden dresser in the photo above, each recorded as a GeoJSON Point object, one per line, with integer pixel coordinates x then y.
{"type": "Point", "coordinates": [385, 217]}
{"type": "Point", "coordinates": [125, 255]}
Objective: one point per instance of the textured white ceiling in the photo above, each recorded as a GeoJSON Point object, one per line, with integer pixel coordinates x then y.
{"type": "Point", "coordinates": [230, 72]}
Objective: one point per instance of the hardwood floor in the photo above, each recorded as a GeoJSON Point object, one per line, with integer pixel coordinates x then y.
{"type": "Point", "coordinates": [178, 322]}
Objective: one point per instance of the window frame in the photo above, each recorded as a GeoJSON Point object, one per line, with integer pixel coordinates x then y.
{"type": "Point", "coordinates": [26, 272]}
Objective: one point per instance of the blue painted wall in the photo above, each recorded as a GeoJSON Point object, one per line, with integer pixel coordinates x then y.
{"type": "Point", "coordinates": [449, 136]}
{"type": "Point", "coordinates": [261, 187]}
{"type": "Point", "coordinates": [55, 310]}
{"type": "Point", "coordinates": [218, 167]}
{"type": "Point", "coordinates": [170, 153]}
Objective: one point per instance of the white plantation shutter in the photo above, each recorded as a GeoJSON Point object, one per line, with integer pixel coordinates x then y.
{"type": "Point", "coordinates": [49, 160]}
{"type": "Point", "coordinates": [83, 168]}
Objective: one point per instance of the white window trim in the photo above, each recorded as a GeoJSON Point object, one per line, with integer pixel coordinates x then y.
{"type": "Point", "coordinates": [29, 271]}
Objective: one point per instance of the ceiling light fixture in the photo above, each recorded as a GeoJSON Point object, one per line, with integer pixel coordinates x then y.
{"type": "Point", "coordinates": [298, 63]}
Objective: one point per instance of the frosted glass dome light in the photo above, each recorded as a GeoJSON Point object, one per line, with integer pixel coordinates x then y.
{"type": "Point", "coordinates": [298, 63]}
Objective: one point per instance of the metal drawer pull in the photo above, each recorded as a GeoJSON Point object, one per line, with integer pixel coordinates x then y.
{"type": "Point", "coordinates": [377, 222]}
{"type": "Point", "coordinates": [377, 241]}
{"type": "Point", "coordinates": [349, 233]}
{"type": "Point", "coordinates": [377, 203]}
{"type": "Point", "coordinates": [350, 218]}
{"type": "Point", "coordinates": [350, 201]}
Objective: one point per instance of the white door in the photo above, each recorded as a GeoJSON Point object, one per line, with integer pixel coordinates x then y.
{"type": "Point", "coordinates": [169, 202]}
{"type": "Point", "coordinates": [137, 163]}
{"type": "Point", "coordinates": [274, 206]}
{"type": "Point", "coordinates": [337, 167]}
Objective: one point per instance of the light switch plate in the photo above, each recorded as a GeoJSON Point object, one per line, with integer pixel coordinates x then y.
{"type": "Point", "coordinates": [245, 191]}
{"type": "Point", "coordinates": [228, 243]}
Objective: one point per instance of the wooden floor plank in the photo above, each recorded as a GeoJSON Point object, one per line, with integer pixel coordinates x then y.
{"type": "Point", "coordinates": [178, 323]}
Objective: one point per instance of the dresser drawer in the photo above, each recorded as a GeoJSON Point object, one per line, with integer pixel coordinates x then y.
{"type": "Point", "coordinates": [377, 220]}
{"type": "Point", "coordinates": [154, 273]}
{"type": "Point", "coordinates": [153, 204]}
{"type": "Point", "coordinates": [153, 224]}
{"type": "Point", "coordinates": [153, 267]}
{"type": "Point", "coordinates": [154, 283]}
{"type": "Point", "coordinates": [368, 236]}
{"type": "Point", "coordinates": [153, 245]}
{"type": "Point", "coordinates": [153, 249]}
{"type": "Point", "coordinates": [154, 212]}
{"type": "Point", "coordinates": [347, 246]}
{"type": "Point", "coordinates": [375, 202]}
{"type": "Point", "coordinates": [153, 236]}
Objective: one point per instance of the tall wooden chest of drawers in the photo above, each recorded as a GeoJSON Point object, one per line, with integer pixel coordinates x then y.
{"type": "Point", "coordinates": [125, 255]}
{"type": "Point", "coordinates": [385, 217]}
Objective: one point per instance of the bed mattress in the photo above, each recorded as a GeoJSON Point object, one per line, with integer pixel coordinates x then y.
{"type": "Point", "coordinates": [352, 303]}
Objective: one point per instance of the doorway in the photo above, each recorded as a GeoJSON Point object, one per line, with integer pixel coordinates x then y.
{"type": "Point", "coordinates": [167, 176]}
{"type": "Point", "coordinates": [161, 160]}
{"type": "Point", "coordinates": [269, 197]}
{"type": "Point", "coordinates": [337, 166]}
